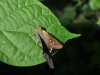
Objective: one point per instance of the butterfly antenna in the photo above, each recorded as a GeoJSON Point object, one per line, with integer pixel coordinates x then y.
{"type": "Point", "coordinates": [30, 25]}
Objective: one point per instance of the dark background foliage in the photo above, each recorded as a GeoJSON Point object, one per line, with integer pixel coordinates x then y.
{"type": "Point", "coordinates": [79, 56]}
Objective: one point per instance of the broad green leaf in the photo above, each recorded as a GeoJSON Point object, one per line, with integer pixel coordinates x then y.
{"type": "Point", "coordinates": [17, 46]}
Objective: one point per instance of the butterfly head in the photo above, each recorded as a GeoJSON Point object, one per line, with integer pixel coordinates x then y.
{"type": "Point", "coordinates": [38, 28]}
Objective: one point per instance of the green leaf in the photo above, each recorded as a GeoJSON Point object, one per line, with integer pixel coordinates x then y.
{"type": "Point", "coordinates": [17, 46]}
{"type": "Point", "coordinates": [69, 13]}
{"type": "Point", "coordinates": [94, 4]}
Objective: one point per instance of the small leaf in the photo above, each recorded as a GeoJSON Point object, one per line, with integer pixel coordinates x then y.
{"type": "Point", "coordinates": [94, 4]}
{"type": "Point", "coordinates": [69, 13]}
{"type": "Point", "coordinates": [98, 22]}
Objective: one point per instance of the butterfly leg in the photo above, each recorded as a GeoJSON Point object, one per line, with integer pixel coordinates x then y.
{"type": "Point", "coordinates": [32, 34]}
{"type": "Point", "coordinates": [39, 40]}
{"type": "Point", "coordinates": [36, 44]}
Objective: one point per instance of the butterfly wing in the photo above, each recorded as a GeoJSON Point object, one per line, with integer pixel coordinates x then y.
{"type": "Point", "coordinates": [52, 43]}
{"type": "Point", "coordinates": [46, 53]}
{"type": "Point", "coordinates": [48, 58]}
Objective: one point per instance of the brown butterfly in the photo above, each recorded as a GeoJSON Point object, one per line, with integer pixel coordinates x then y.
{"type": "Point", "coordinates": [50, 42]}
